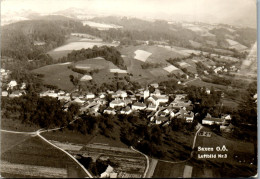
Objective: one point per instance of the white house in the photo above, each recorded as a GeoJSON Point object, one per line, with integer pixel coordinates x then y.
{"type": "Point", "coordinates": [4, 93]}
{"type": "Point", "coordinates": [146, 94]}
{"type": "Point", "coordinates": [154, 100]}
{"type": "Point", "coordinates": [138, 106]}
{"type": "Point", "coordinates": [90, 96]}
{"type": "Point", "coordinates": [116, 103]}
{"type": "Point", "coordinates": [212, 121]}
{"type": "Point", "coordinates": [126, 110]}
{"type": "Point", "coordinates": [189, 117]}
{"type": "Point", "coordinates": [15, 94]}
{"type": "Point", "coordinates": [121, 94]}
{"type": "Point", "coordinates": [163, 98]}
{"type": "Point", "coordinates": [110, 111]}
{"type": "Point", "coordinates": [11, 84]}
{"type": "Point", "coordinates": [151, 107]}
{"type": "Point", "coordinates": [155, 85]}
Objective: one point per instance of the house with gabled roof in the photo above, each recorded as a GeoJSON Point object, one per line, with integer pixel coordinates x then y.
{"type": "Point", "coordinates": [117, 103]}
{"type": "Point", "coordinates": [138, 106]}
{"type": "Point", "coordinates": [110, 110]}
{"type": "Point", "coordinates": [126, 110]}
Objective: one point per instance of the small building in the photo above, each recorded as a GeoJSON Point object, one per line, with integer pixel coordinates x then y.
{"type": "Point", "coordinates": [110, 110]}
{"type": "Point", "coordinates": [121, 94]}
{"type": "Point", "coordinates": [15, 94]}
{"type": "Point", "coordinates": [155, 85]}
{"type": "Point", "coordinates": [4, 93]}
{"type": "Point", "coordinates": [11, 84]}
{"type": "Point", "coordinates": [126, 110]}
{"type": "Point", "coordinates": [116, 103]}
{"type": "Point", "coordinates": [212, 121]}
{"type": "Point", "coordinates": [161, 120]}
{"type": "Point", "coordinates": [154, 100]}
{"type": "Point", "coordinates": [138, 106]}
{"type": "Point", "coordinates": [163, 98]}
{"type": "Point", "coordinates": [189, 117]}
{"type": "Point", "coordinates": [90, 96]}
{"type": "Point", "coordinates": [151, 107]}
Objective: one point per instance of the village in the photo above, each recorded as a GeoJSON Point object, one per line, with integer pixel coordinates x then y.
{"type": "Point", "coordinates": [159, 108]}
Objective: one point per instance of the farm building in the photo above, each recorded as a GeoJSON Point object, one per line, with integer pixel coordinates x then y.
{"type": "Point", "coordinates": [121, 94]}
{"type": "Point", "coordinates": [151, 107]}
{"type": "Point", "coordinates": [11, 84]}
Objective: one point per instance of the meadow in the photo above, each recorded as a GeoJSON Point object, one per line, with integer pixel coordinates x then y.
{"type": "Point", "coordinates": [33, 154]}
{"type": "Point", "coordinates": [57, 75]}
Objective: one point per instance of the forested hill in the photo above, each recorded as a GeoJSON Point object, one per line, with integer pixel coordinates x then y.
{"type": "Point", "coordinates": [19, 40]}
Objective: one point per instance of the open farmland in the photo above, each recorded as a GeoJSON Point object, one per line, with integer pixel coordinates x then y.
{"type": "Point", "coordinates": [142, 55]}
{"type": "Point", "coordinates": [77, 41]}
{"type": "Point", "coordinates": [127, 162]}
{"type": "Point", "coordinates": [57, 75]}
{"type": "Point", "coordinates": [10, 140]}
{"type": "Point", "coordinates": [158, 54]}
{"type": "Point", "coordinates": [101, 26]}
{"type": "Point", "coordinates": [81, 44]}
{"type": "Point", "coordinates": [41, 159]}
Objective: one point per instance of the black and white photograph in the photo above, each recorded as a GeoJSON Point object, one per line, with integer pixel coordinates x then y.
{"type": "Point", "coordinates": [128, 89]}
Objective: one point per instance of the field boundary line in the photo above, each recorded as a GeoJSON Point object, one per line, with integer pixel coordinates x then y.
{"type": "Point", "coordinates": [85, 170]}
{"type": "Point", "coordinates": [147, 161]}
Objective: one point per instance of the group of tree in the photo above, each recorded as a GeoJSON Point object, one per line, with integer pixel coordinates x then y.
{"type": "Point", "coordinates": [108, 53]}
{"type": "Point", "coordinates": [45, 112]}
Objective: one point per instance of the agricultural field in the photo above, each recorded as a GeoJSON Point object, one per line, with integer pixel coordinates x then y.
{"type": "Point", "coordinates": [101, 26]}
{"type": "Point", "coordinates": [81, 44]}
{"type": "Point", "coordinates": [158, 54]}
{"type": "Point", "coordinates": [95, 63]}
{"type": "Point", "coordinates": [35, 158]}
{"type": "Point", "coordinates": [57, 75]}
{"type": "Point", "coordinates": [199, 83]}
{"type": "Point", "coordinates": [17, 125]}
{"type": "Point", "coordinates": [168, 170]}
{"type": "Point", "coordinates": [78, 41]}
{"type": "Point", "coordinates": [142, 55]}
{"type": "Point", "coordinates": [127, 161]}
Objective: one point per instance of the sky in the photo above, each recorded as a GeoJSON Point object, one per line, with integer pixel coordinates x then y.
{"type": "Point", "coordinates": [217, 11]}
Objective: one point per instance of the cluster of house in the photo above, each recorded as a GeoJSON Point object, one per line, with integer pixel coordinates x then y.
{"type": "Point", "coordinates": [224, 122]}
{"type": "Point", "coordinates": [126, 102]}
{"type": "Point", "coordinates": [4, 74]}
{"type": "Point", "coordinates": [13, 90]}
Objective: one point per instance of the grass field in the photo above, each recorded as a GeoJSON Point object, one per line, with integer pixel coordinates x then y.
{"type": "Point", "coordinates": [17, 125]}
{"type": "Point", "coordinates": [158, 54]}
{"type": "Point", "coordinates": [201, 83]}
{"type": "Point", "coordinates": [168, 170]}
{"type": "Point", "coordinates": [10, 140]}
{"type": "Point", "coordinates": [57, 75]}
{"type": "Point", "coordinates": [39, 157]}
